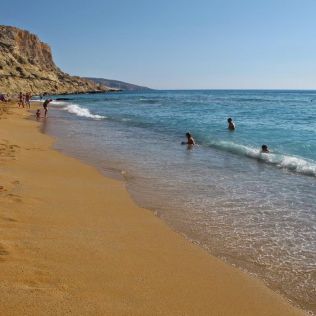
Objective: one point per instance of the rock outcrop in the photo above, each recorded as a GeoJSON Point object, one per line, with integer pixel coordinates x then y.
{"type": "Point", "coordinates": [121, 85]}
{"type": "Point", "coordinates": [26, 64]}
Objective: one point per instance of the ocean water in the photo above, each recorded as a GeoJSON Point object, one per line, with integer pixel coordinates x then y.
{"type": "Point", "coordinates": [256, 211]}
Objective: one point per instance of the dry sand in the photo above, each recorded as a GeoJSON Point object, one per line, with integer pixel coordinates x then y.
{"type": "Point", "coordinates": [73, 242]}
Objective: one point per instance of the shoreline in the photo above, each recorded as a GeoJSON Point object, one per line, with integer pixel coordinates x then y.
{"type": "Point", "coordinates": [75, 242]}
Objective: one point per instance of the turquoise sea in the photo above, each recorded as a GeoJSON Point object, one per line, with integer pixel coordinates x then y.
{"type": "Point", "coordinates": [256, 211]}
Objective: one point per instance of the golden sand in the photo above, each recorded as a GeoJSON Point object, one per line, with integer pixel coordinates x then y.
{"type": "Point", "coordinates": [73, 242]}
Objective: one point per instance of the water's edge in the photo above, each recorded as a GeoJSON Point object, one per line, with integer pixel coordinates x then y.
{"type": "Point", "coordinates": [121, 175]}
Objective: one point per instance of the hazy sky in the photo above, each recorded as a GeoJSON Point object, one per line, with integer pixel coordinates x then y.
{"type": "Point", "coordinates": [178, 43]}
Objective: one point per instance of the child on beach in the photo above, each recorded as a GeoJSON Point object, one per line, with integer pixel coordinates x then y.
{"type": "Point", "coordinates": [38, 114]}
{"type": "Point", "coordinates": [231, 124]}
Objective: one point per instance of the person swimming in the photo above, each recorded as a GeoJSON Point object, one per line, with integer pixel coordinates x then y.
{"type": "Point", "coordinates": [190, 140]}
{"type": "Point", "coordinates": [265, 149]}
{"type": "Point", "coordinates": [231, 124]}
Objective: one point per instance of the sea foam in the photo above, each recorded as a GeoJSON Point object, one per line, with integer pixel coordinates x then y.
{"type": "Point", "coordinates": [82, 112]}
{"type": "Point", "coordinates": [291, 163]}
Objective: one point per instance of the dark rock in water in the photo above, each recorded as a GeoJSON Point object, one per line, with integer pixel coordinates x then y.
{"type": "Point", "coordinates": [63, 99]}
{"type": "Point", "coordinates": [97, 91]}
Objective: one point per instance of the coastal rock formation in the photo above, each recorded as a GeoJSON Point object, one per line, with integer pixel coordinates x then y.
{"type": "Point", "coordinates": [26, 64]}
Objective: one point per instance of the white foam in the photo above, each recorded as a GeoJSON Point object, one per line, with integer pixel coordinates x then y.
{"type": "Point", "coordinates": [292, 163]}
{"type": "Point", "coordinates": [298, 164]}
{"type": "Point", "coordinates": [58, 103]}
{"type": "Point", "coordinates": [54, 102]}
{"type": "Point", "coordinates": [82, 112]}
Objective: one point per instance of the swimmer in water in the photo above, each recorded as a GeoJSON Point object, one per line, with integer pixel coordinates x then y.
{"type": "Point", "coordinates": [231, 124]}
{"type": "Point", "coordinates": [265, 149]}
{"type": "Point", "coordinates": [190, 141]}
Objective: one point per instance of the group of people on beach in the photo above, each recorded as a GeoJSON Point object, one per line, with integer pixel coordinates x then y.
{"type": "Point", "coordinates": [45, 105]}
{"type": "Point", "coordinates": [231, 126]}
{"type": "Point", "coordinates": [25, 99]}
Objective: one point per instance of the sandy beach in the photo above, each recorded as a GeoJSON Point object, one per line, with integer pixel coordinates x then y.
{"type": "Point", "coordinates": [73, 242]}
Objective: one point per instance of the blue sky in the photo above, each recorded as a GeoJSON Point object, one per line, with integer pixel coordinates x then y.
{"type": "Point", "coordinates": [178, 44]}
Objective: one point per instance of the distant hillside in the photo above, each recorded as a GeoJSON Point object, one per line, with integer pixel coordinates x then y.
{"type": "Point", "coordinates": [115, 84]}
{"type": "Point", "coordinates": [26, 64]}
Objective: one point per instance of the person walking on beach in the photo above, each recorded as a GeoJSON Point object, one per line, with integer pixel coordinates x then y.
{"type": "Point", "coordinates": [231, 124]}
{"type": "Point", "coordinates": [45, 104]}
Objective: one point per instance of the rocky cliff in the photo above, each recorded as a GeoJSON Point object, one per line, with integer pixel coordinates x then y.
{"type": "Point", "coordinates": [26, 64]}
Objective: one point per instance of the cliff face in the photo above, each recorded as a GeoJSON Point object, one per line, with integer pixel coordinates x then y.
{"type": "Point", "coordinates": [26, 64]}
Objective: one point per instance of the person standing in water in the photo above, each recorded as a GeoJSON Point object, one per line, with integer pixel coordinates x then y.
{"type": "Point", "coordinates": [45, 104]}
{"type": "Point", "coordinates": [190, 140]}
{"type": "Point", "coordinates": [231, 124]}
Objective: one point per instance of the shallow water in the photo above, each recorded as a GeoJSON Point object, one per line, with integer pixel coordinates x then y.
{"type": "Point", "coordinates": [256, 211]}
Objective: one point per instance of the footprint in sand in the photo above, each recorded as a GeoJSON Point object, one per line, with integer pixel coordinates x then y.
{"type": "Point", "coordinates": [8, 219]}
{"type": "Point", "coordinates": [14, 185]}
{"type": "Point", "coordinates": [14, 197]}
{"type": "Point", "coordinates": [3, 253]}
{"type": "Point", "coordinates": [8, 150]}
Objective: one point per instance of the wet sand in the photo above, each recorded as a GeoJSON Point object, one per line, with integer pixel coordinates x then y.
{"type": "Point", "coordinates": [74, 243]}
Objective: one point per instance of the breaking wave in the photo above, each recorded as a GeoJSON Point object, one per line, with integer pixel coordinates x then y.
{"type": "Point", "coordinates": [82, 112]}
{"type": "Point", "coordinates": [291, 163]}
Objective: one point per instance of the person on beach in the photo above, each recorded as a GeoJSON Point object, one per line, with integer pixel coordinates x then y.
{"type": "Point", "coordinates": [2, 98]}
{"type": "Point", "coordinates": [265, 149]}
{"type": "Point", "coordinates": [231, 124]}
{"type": "Point", "coordinates": [28, 99]}
{"type": "Point", "coordinates": [21, 101]}
{"type": "Point", "coordinates": [45, 104]}
{"type": "Point", "coordinates": [38, 114]}
{"type": "Point", "coordinates": [190, 140]}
